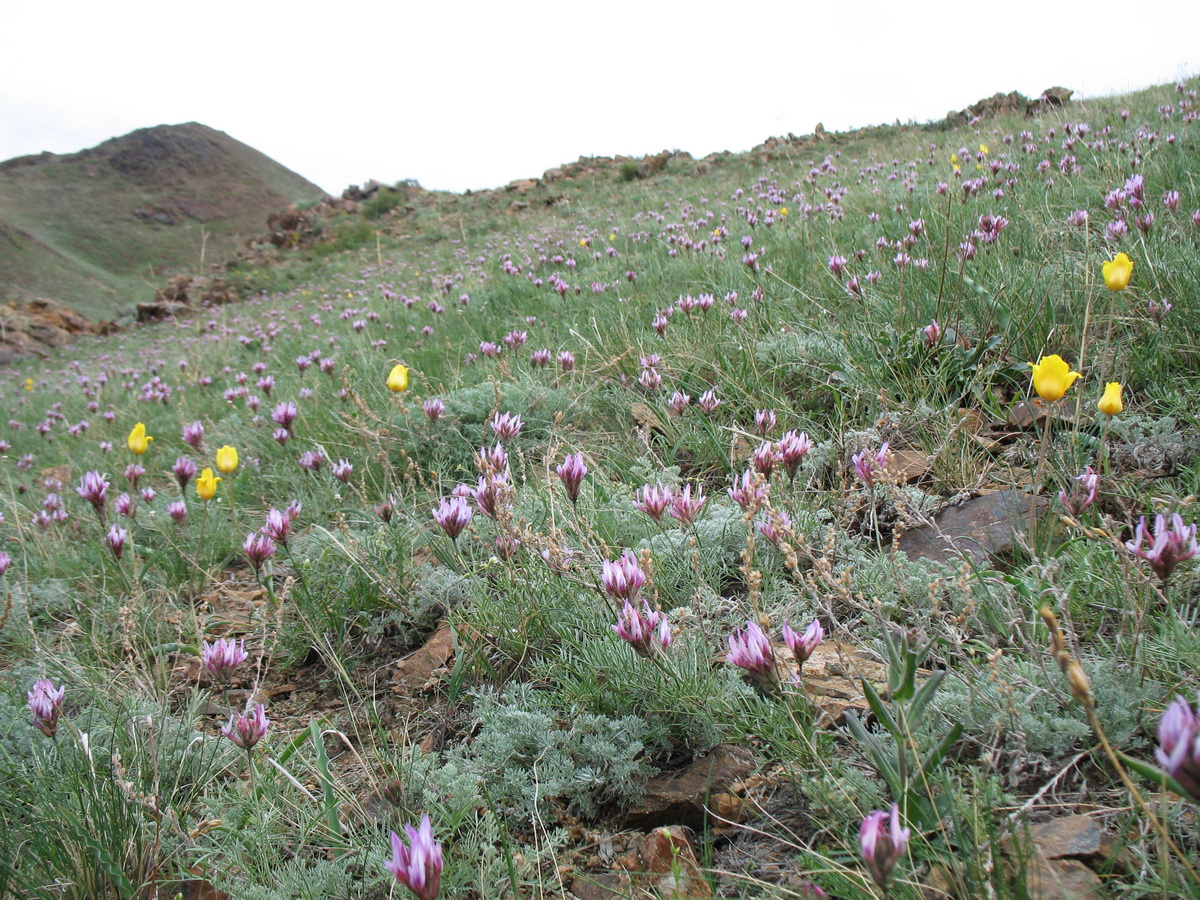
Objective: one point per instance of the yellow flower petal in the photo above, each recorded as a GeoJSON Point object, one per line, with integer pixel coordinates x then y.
{"type": "Point", "coordinates": [1117, 271]}
{"type": "Point", "coordinates": [1110, 404]}
{"type": "Point", "coordinates": [1052, 377]}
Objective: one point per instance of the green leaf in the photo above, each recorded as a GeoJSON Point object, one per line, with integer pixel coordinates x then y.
{"type": "Point", "coordinates": [1153, 773]}
{"type": "Point", "coordinates": [916, 709]}
{"type": "Point", "coordinates": [935, 757]}
{"type": "Point", "coordinates": [881, 712]}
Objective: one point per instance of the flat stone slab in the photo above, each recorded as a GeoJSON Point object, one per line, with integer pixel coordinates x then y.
{"type": "Point", "coordinates": [980, 530]}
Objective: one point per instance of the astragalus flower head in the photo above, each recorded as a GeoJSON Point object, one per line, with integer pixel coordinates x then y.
{"type": "Point", "coordinates": [1083, 492]}
{"type": "Point", "coordinates": [247, 730]}
{"type": "Point", "coordinates": [258, 549]}
{"type": "Point", "coordinates": [417, 865]}
{"type": "Point", "coordinates": [1178, 749]}
{"type": "Point", "coordinates": [506, 426]}
{"type": "Point", "coordinates": [686, 503]}
{"type": "Point", "coordinates": [93, 487]}
{"type": "Point", "coordinates": [646, 630]}
{"type": "Point", "coordinates": [791, 450]}
{"type": "Point", "coordinates": [622, 579]}
{"type": "Point", "coordinates": [882, 842]}
{"type": "Point", "coordinates": [222, 656]}
{"type": "Point", "coordinates": [572, 472]}
{"type": "Point", "coordinates": [452, 514]}
{"type": "Point", "coordinates": [802, 645]}
{"type": "Point", "coordinates": [45, 702]}
{"type": "Point", "coordinates": [748, 491]}
{"type": "Point", "coordinates": [867, 466]}
{"type": "Point", "coordinates": [750, 648]}
{"type": "Point", "coordinates": [653, 499]}
{"type": "Point", "coordinates": [1167, 548]}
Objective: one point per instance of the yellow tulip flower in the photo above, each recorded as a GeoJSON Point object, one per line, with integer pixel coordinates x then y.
{"type": "Point", "coordinates": [206, 485]}
{"type": "Point", "coordinates": [29, 384]}
{"type": "Point", "coordinates": [227, 459]}
{"type": "Point", "coordinates": [1110, 404]}
{"type": "Point", "coordinates": [398, 379]}
{"type": "Point", "coordinates": [1052, 377]}
{"type": "Point", "coordinates": [1117, 272]}
{"type": "Point", "coordinates": [138, 441]}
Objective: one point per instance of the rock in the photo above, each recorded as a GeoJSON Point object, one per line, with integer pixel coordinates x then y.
{"type": "Point", "coordinates": [1056, 96]}
{"type": "Point", "coordinates": [653, 165]}
{"type": "Point", "coordinates": [33, 328]}
{"type": "Point", "coordinates": [416, 671]}
{"type": "Point", "coordinates": [662, 864]}
{"type": "Point", "coordinates": [981, 529]}
{"type": "Point", "coordinates": [686, 797]}
{"type": "Point", "coordinates": [517, 206]}
{"type": "Point", "coordinates": [1061, 879]}
{"type": "Point", "coordinates": [832, 679]}
{"type": "Point", "coordinates": [1077, 836]}
{"type": "Point", "coordinates": [668, 865]}
{"type": "Point", "coordinates": [552, 175]}
{"type": "Point", "coordinates": [522, 186]}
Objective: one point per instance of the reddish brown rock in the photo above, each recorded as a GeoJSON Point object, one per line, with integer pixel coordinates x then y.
{"type": "Point", "coordinates": [687, 797]}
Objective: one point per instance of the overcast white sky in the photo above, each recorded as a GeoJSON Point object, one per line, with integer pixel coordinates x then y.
{"type": "Point", "coordinates": [472, 95]}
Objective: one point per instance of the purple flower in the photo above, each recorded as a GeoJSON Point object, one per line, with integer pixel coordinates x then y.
{"type": "Point", "coordinates": [222, 656]}
{"type": "Point", "coordinates": [1167, 548]}
{"type": "Point", "coordinates": [802, 645]}
{"type": "Point", "coordinates": [116, 539]}
{"type": "Point", "coordinates": [285, 414]}
{"type": "Point", "coordinates": [125, 507]}
{"type": "Point", "coordinates": [647, 630]}
{"type": "Point", "coordinates": [5, 562]}
{"type": "Point", "coordinates": [1178, 749]}
{"type": "Point", "coordinates": [311, 459]}
{"type": "Point", "coordinates": [278, 526]}
{"type": "Point", "coordinates": [748, 492]}
{"type": "Point", "coordinates": [686, 505]}
{"type": "Point", "coordinates": [622, 579]}
{"type": "Point", "coordinates": [258, 549]}
{"type": "Point", "coordinates": [763, 459]}
{"type": "Point", "coordinates": [775, 527]}
{"type": "Point", "coordinates": [417, 865]}
{"type": "Point", "coordinates": [93, 487]}
{"type": "Point", "coordinates": [433, 409]}
{"type": "Point", "coordinates": [492, 491]}
{"type": "Point", "coordinates": [932, 332]}
{"type": "Point", "coordinates": [185, 471]}
{"type": "Point", "coordinates": [764, 421]}
{"type": "Point", "coordinates": [653, 500]}
{"type": "Point", "coordinates": [792, 449]}
{"type": "Point", "coordinates": [708, 401]}
{"type": "Point", "coordinates": [566, 361]}
{"type": "Point", "coordinates": [177, 510]}
{"type": "Point", "coordinates": [45, 702]}
{"type": "Point", "coordinates": [133, 474]}
{"type": "Point", "coordinates": [868, 467]}
{"type": "Point", "coordinates": [881, 846]}
{"type": "Point", "coordinates": [572, 472]}
{"type": "Point", "coordinates": [193, 435]}
{"type": "Point", "coordinates": [1083, 492]}
{"type": "Point", "coordinates": [679, 402]}
{"type": "Point", "coordinates": [246, 731]}
{"type": "Point", "coordinates": [506, 426]}
{"type": "Point", "coordinates": [493, 459]}
{"type": "Point", "coordinates": [751, 649]}
{"type": "Point", "coordinates": [342, 470]}
{"type": "Point", "coordinates": [452, 514]}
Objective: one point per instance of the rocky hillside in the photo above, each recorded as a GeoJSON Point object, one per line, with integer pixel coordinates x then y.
{"type": "Point", "coordinates": [98, 230]}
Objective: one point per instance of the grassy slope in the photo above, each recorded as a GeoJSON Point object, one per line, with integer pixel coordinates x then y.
{"type": "Point", "coordinates": [850, 369]}
{"type": "Point", "coordinates": [84, 243]}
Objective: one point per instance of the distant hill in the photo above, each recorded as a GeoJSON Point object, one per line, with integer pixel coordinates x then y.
{"type": "Point", "coordinates": [98, 230]}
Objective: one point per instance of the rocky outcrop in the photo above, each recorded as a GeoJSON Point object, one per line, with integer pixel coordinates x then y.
{"type": "Point", "coordinates": [35, 328]}
{"type": "Point", "coordinates": [184, 294]}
